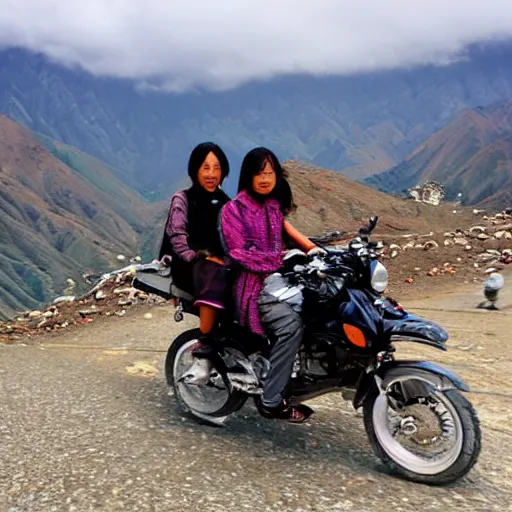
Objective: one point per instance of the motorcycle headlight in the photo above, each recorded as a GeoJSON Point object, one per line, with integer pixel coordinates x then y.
{"type": "Point", "coordinates": [379, 276]}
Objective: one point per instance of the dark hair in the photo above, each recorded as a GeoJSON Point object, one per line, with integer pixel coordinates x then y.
{"type": "Point", "coordinates": [198, 156]}
{"type": "Point", "coordinates": [253, 163]}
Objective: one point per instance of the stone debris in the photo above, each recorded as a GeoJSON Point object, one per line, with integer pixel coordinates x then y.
{"type": "Point", "coordinates": [113, 291]}
{"type": "Point", "coordinates": [430, 192]}
{"type": "Point", "coordinates": [431, 244]}
{"type": "Point", "coordinates": [477, 250]}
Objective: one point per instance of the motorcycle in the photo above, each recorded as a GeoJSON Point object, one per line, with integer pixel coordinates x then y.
{"type": "Point", "coordinates": [416, 419]}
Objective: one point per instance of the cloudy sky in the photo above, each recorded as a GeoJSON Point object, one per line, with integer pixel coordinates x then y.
{"type": "Point", "coordinates": [223, 43]}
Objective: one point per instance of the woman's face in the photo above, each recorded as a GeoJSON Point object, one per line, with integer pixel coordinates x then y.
{"type": "Point", "coordinates": [265, 181]}
{"type": "Point", "coordinates": [210, 173]}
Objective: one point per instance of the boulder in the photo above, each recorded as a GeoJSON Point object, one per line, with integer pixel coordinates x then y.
{"type": "Point", "coordinates": [431, 244]}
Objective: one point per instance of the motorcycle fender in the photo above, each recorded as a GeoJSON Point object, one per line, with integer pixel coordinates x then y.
{"type": "Point", "coordinates": [424, 371]}
{"type": "Point", "coordinates": [366, 385]}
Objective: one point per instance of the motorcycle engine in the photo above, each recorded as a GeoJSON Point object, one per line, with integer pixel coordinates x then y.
{"type": "Point", "coordinates": [319, 357]}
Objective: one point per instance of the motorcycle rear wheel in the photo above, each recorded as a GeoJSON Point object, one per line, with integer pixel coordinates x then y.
{"type": "Point", "coordinates": [206, 401]}
{"type": "Point", "coordinates": [451, 466]}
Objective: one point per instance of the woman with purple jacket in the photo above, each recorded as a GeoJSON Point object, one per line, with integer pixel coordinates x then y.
{"type": "Point", "coordinates": [192, 239]}
{"type": "Point", "coordinates": [253, 225]}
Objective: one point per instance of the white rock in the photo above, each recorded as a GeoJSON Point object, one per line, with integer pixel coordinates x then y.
{"type": "Point", "coordinates": [499, 234]}
{"type": "Point", "coordinates": [431, 244]}
{"type": "Point", "coordinates": [129, 290]}
{"type": "Point", "coordinates": [508, 235]}
{"type": "Point", "coordinates": [449, 234]}
{"type": "Point", "coordinates": [121, 257]}
{"type": "Point", "coordinates": [483, 236]}
{"type": "Point", "coordinates": [468, 247]}
{"type": "Point", "coordinates": [460, 241]}
{"type": "Point", "coordinates": [49, 314]}
{"type": "Point", "coordinates": [35, 314]}
{"type": "Point", "coordinates": [394, 254]}
{"type": "Point", "coordinates": [148, 316]}
{"type": "Point", "coordinates": [395, 246]}
{"type": "Point", "coordinates": [476, 265]}
{"type": "Point", "coordinates": [64, 298]}
{"type": "Point", "coordinates": [448, 242]}
{"type": "Point", "coordinates": [137, 259]}
{"type": "Point", "coordinates": [100, 294]}
{"type": "Point", "coordinates": [477, 229]}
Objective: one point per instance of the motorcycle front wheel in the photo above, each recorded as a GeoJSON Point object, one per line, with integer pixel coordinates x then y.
{"type": "Point", "coordinates": [214, 399]}
{"type": "Point", "coordinates": [433, 439]}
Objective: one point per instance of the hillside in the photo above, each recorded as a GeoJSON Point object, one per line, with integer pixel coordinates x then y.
{"type": "Point", "coordinates": [471, 155]}
{"type": "Point", "coordinates": [329, 201]}
{"type": "Point", "coordinates": [63, 213]}
{"type": "Point", "coordinates": [57, 222]}
{"type": "Point", "coordinates": [359, 124]}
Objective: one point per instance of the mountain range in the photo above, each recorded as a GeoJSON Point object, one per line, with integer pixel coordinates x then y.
{"type": "Point", "coordinates": [56, 220]}
{"type": "Point", "coordinates": [471, 156]}
{"type": "Point", "coordinates": [64, 213]}
{"type": "Point", "coordinates": [87, 164]}
{"type": "Point", "coordinates": [358, 124]}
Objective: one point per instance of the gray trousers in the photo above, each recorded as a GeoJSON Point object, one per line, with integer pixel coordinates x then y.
{"type": "Point", "coordinates": [284, 329]}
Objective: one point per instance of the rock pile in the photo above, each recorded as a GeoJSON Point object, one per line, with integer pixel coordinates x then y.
{"type": "Point", "coordinates": [430, 192]}
{"type": "Point", "coordinates": [481, 248]}
{"type": "Point", "coordinates": [112, 295]}
{"type": "Point", "coordinates": [468, 254]}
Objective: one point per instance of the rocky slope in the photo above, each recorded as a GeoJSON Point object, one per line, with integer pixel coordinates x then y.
{"type": "Point", "coordinates": [329, 201]}
{"type": "Point", "coordinates": [57, 221]}
{"type": "Point", "coordinates": [418, 263]}
{"type": "Point", "coordinates": [471, 155]}
{"type": "Point", "coordinates": [64, 214]}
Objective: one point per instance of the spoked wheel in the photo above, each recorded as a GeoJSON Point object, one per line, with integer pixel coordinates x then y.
{"type": "Point", "coordinates": [432, 439]}
{"type": "Point", "coordinates": [214, 398]}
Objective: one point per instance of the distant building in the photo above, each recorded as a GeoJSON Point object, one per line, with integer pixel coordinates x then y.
{"type": "Point", "coordinates": [430, 192]}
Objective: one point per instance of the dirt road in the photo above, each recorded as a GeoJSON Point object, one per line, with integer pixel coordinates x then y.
{"type": "Point", "coordinates": [86, 424]}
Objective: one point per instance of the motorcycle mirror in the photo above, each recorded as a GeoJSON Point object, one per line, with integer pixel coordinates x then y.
{"type": "Point", "coordinates": [366, 230]}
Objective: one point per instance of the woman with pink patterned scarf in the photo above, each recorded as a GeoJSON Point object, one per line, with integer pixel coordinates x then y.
{"type": "Point", "coordinates": [253, 226]}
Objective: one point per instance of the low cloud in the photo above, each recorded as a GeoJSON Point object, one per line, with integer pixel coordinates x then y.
{"type": "Point", "coordinates": [179, 45]}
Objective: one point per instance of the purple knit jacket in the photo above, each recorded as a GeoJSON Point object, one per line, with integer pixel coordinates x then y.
{"type": "Point", "coordinates": [253, 236]}
{"type": "Point", "coordinates": [177, 226]}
